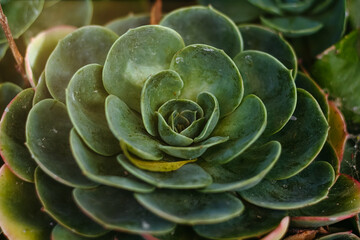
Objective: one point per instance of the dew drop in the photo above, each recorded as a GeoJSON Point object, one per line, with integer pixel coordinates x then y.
{"type": "Point", "coordinates": [145, 225]}
{"type": "Point", "coordinates": [179, 59]}
{"type": "Point", "coordinates": [293, 118]}
{"type": "Point", "coordinates": [248, 60]}
{"type": "Point", "coordinates": [6, 109]}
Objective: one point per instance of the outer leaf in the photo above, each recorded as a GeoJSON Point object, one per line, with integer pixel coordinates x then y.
{"type": "Point", "coordinates": [158, 89]}
{"type": "Point", "coordinates": [61, 233]}
{"type": "Point", "coordinates": [340, 236]}
{"type": "Point", "coordinates": [134, 57]}
{"type": "Point", "coordinates": [85, 99]}
{"type": "Point", "coordinates": [84, 46]}
{"type": "Point", "coordinates": [39, 50]}
{"type": "Point", "coordinates": [20, 210]}
{"type": "Point", "coordinates": [280, 231]}
{"type": "Point", "coordinates": [267, 78]}
{"type": "Point", "coordinates": [343, 202]}
{"type": "Point", "coordinates": [99, 204]}
{"type": "Point", "coordinates": [354, 17]}
{"type": "Point", "coordinates": [3, 48]}
{"type": "Point", "coordinates": [205, 68]}
{"type": "Point", "coordinates": [308, 187]}
{"type": "Point", "coordinates": [20, 16]}
{"type": "Point", "coordinates": [41, 91]}
{"type": "Point", "coordinates": [47, 137]}
{"type": "Point", "coordinates": [127, 127]}
{"type": "Point", "coordinates": [123, 24]}
{"type": "Point", "coordinates": [267, 5]}
{"type": "Point", "coordinates": [104, 170]}
{"type": "Point", "coordinates": [253, 222]}
{"type": "Point", "coordinates": [307, 131]}
{"type": "Point", "coordinates": [211, 27]}
{"type": "Point", "coordinates": [12, 136]}
{"type": "Point", "coordinates": [57, 201]}
{"type": "Point", "coordinates": [266, 40]}
{"type": "Point", "coordinates": [191, 207]}
{"type": "Point", "coordinates": [7, 92]}
{"type": "Point", "coordinates": [186, 177]}
{"type": "Point", "coordinates": [243, 127]}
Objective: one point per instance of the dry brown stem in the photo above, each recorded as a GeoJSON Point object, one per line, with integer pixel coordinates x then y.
{"type": "Point", "coordinates": [156, 12]}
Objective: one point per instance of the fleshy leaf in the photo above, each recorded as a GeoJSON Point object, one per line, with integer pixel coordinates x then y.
{"type": "Point", "coordinates": [205, 68]}
{"type": "Point", "coordinates": [279, 232]}
{"type": "Point", "coordinates": [58, 14]}
{"type": "Point", "coordinates": [165, 165]}
{"type": "Point", "coordinates": [85, 100]}
{"type": "Point", "coordinates": [39, 50]}
{"type": "Point", "coordinates": [338, 70]}
{"type": "Point", "coordinates": [294, 26]}
{"type": "Point", "coordinates": [20, 15]}
{"type": "Point", "coordinates": [205, 25]}
{"type": "Point", "coordinates": [193, 151]}
{"type": "Point", "coordinates": [243, 172]}
{"type": "Point", "coordinates": [267, 5]}
{"type": "Point", "coordinates": [20, 210]}
{"type": "Point", "coordinates": [47, 137]}
{"type": "Point", "coordinates": [340, 236]}
{"type": "Point", "coordinates": [61, 233]}
{"type": "Point", "coordinates": [238, 11]}
{"type": "Point", "coordinates": [294, 7]}
{"type": "Point", "coordinates": [191, 207]}
{"type": "Point", "coordinates": [86, 45]}
{"type": "Point", "coordinates": [135, 56]}
{"type": "Point", "coordinates": [3, 48]}
{"type": "Point", "coordinates": [304, 81]}
{"type": "Point", "coordinates": [268, 79]}
{"type": "Point", "coordinates": [57, 201]}
{"type": "Point", "coordinates": [307, 130]}
{"type": "Point", "coordinates": [210, 105]}
{"type": "Point", "coordinates": [259, 38]}
{"type": "Point", "coordinates": [243, 127]}
{"type": "Point", "coordinates": [99, 204]}
{"type": "Point", "coordinates": [306, 188]}
{"type": "Point", "coordinates": [328, 154]}
{"type": "Point", "coordinates": [128, 127]}
{"type": "Point", "coordinates": [122, 25]}
{"type": "Point", "coordinates": [12, 136]}
{"type": "Point", "coordinates": [104, 170]}
{"type": "Point", "coordinates": [343, 202]}
{"type": "Point", "coordinates": [41, 90]}
{"type": "Point", "coordinates": [187, 177]}
{"type": "Point", "coordinates": [253, 222]}
{"type": "Point", "coordinates": [158, 89]}
{"type": "Point", "coordinates": [8, 91]}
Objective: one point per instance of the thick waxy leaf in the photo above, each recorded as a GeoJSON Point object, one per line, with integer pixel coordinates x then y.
{"type": "Point", "coordinates": [124, 214]}
{"type": "Point", "coordinates": [39, 50]}
{"type": "Point", "coordinates": [301, 139]}
{"type": "Point", "coordinates": [308, 187]}
{"type": "Point", "coordinates": [61, 233]}
{"type": "Point", "coordinates": [296, 26]}
{"type": "Point", "coordinates": [7, 92]}
{"type": "Point", "coordinates": [122, 25]}
{"type": "Point", "coordinates": [165, 165]}
{"type": "Point", "coordinates": [328, 154]}
{"type": "Point", "coordinates": [245, 171]}
{"type": "Point", "coordinates": [205, 68]}
{"type": "Point", "coordinates": [186, 177]}
{"type": "Point", "coordinates": [20, 210]}
{"type": "Point", "coordinates": [210, 105]}
{"type": "Point", "coordinates": [158, 89]}
{"type": "Point", "coordinates": [243, 127]}
{"type": "Point", "coordinates": [267, 5]}
{"type": "Point", "coordinates": [266, 40]}
{"type": "Point", "coordinates": [85, 100]}
{"type": "Point", "coordinates": [337, 132]}
{"type": "Point", "coordinates": [354, 17]}
{"type": "Point", "coordinates": [238, 11]}
{"type": "Point", "coordinates": [128, 127]}
{"type": "Point", "coordinates": [342, 202]}
{"type": "Point", "coordinates": [253, 222]}
{"type": "Point", "coordinates": [338, 70]}
{"type": "Point", "coordinates": [304, 81]}
{"type": "Point", "coordinates": [340, 236]}
{"type": "Point", "coordinates": [56, 13]}
{"type": "Point", "coordinates": [20, 15]}
{"type": "Point", "coordinates": [86, 45]}
{"type": "Point", "coordinates": [268, 79]}
{"type": "Point", "coordinates": [3, 48]}
{"type": "Point", "coordinates": [47, 137]}
{"type": "Point", "coordinates": [104, 170]}
{"type": "Point", "coordinates": [57, 201]}
{"type": "Point", "coordinates": [193, 151]}
{"type": "Point", "coordinates": [12, 136]}
{"type": "Point", "coordinates": [207, 26]}
{"type": "Point", "coordinates": [135, 56]}
{"type": "Point", "coordinates": [191, 207]}
{"type": "Point", "coordinates": [294, 6]}
{"type": "Point", "coordinates": [181, 232]}
{"type": "Point", "coordinates": [279, 232]}
{"type": "Point", "coordinates": [41, 90]}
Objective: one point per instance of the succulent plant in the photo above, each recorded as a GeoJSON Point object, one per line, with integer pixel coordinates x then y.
{"type": "Point", "coordinates": [178, 130]}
